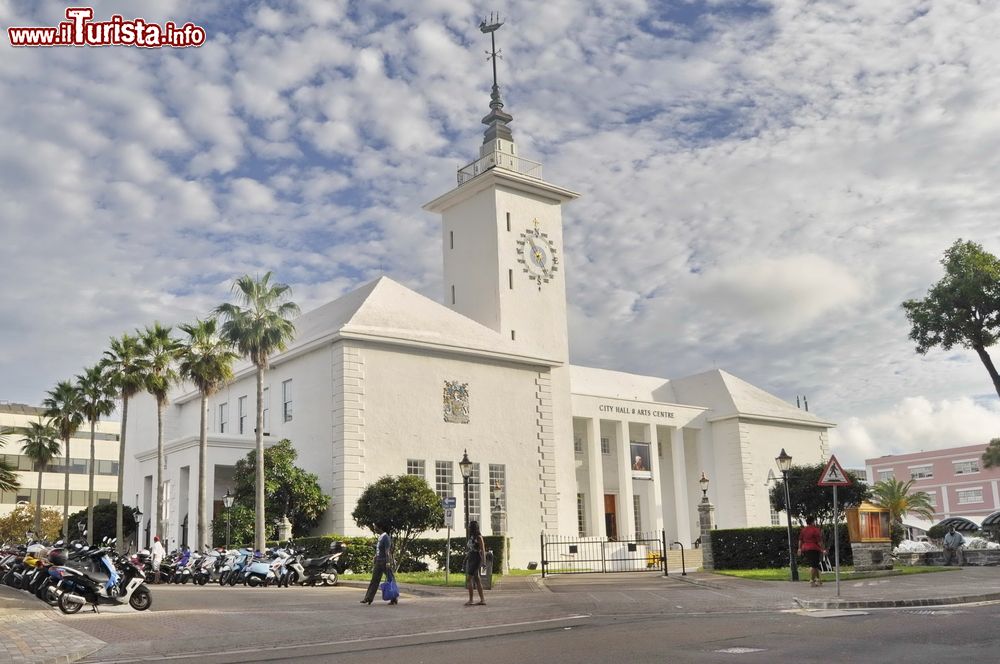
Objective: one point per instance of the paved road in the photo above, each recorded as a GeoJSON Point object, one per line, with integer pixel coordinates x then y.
{"type": "Point", "coordinates": [583, 619]}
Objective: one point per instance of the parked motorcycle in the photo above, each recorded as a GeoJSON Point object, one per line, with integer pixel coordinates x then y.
{"type": "Point", "coordinates": [311, 571]}
{"type": "Point", "coordinates": [115, 581]}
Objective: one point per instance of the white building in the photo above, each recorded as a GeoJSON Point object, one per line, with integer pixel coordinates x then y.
{"type": "Point", "coordinates": [384, 381]}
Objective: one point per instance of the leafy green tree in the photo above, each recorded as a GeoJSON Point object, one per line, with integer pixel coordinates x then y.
{"type": "Point", "coordinates": [64, 407]}
{"type": "Point", "coordinates": [991, 457]}
{"type": "Point", "coordinates": [8, 478]}
{"type": "Point", "coordinates": [403, 506]}
{"type": "Point", "coordinates": [125, 367]}
{"type": "Point", "coordinates": [160, 351]}
{"type": "Point", "coordinates": [290, 490]}
{"type": "Point", "coordinates": [105, 517]}
{"type": "Point", "coordinates": [259, 326]}
{"type": "Point", "coordinates": [808, 499]}
{"type": "Point", "coordinates": [40, 444]}
{"type": "Point", "coordinates": [98, 402]}
{"type": "Point", "coordinates": [207, 361]}
{"type": "Point", "coordinates": [13, 526]}
{"type": "Point", "coordinates": [963, 308]}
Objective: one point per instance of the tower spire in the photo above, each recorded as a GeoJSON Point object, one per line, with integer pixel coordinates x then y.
{"type": "Point", "coordinates": [496, 121]}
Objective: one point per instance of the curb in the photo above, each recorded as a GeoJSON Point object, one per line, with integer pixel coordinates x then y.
{"type": "Point", "coordinates": [893, 603]}
{"type": "Point", "coordinates": [695, 582]}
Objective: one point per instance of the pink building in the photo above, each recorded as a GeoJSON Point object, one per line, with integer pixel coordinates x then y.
{"type": "Point", "coordinates": [955, 479]}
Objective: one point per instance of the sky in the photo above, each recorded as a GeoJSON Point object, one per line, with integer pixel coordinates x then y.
{"type": "Point", "coordinates": [763, 183]}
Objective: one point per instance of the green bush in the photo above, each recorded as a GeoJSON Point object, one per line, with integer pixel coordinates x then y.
{"type": "Point", "coordinates": [936, 532]}
{"type": "Point", "coordinates": [757, 548]}
{"type": "Point", "coordinates": [361, 551]}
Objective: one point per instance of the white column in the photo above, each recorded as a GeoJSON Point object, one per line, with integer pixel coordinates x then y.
{"type": "Point", "coordinates": [654, 466]}
{"type": "Point", "coordinates": [595, 477]}
{"type": "Point", "coordinates": [680, 486]}
{"type": "Point", "coordinates": [626, 511]}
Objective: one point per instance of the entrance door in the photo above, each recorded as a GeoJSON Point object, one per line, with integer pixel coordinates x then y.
{"type": "Point", "coordinates": [610, 516]}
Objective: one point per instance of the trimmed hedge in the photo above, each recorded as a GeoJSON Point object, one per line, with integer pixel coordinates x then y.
{"type": "Point", "coordinates": [361, 550]}
{"type": "Point", "coordinates": [757, 548]}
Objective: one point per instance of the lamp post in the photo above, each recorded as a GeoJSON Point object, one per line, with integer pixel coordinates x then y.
{"type": "Point", "coordinates": [784, 461]}
{"type": "Point", "coordinates": [137, 515]}
{"type": "Point", "coordinates": [466, 467]}
{"type": "Point", "coordinates": [227, 500]}
{"type": "Point", "coordinates": [704, 487]}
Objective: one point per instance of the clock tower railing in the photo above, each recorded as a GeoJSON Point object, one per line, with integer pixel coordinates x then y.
{"type": "Point", "coordinates": [532, 169]}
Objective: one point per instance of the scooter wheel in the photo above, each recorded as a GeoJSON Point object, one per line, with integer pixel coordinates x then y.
{"type": "Point", "coordinates": [141, 599]}
{"type": "Point", "coordinates": [68, 607]}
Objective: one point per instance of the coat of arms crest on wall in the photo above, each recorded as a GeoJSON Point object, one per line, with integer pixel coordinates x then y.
{"type": "Point", "coordinates": [456, 402]}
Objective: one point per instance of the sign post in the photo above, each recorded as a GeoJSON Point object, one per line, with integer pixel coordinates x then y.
{"type": "Point", "coordinates": [449, 521]}
{"type": "Point", "coordinates": [834, 475]}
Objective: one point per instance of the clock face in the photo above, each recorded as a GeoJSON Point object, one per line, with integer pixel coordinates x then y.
{"type": "Point", "coordinates": [537, 256]}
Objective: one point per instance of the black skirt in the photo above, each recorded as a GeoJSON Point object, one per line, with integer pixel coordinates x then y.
{"type": "Point", "coordinates": [472, 563]}
{"type": "Point", "coordinates": [812, 557]}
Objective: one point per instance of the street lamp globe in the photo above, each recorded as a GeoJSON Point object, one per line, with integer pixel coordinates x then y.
{"type": "Point", "coordinates": [784, 461]}
{"type": "Point", "coordinates": [704, 485]}
{"type": "Point", "coordinates": [465, 465]}
{"type": "Point", "coordinates": [228, 499]}
{"type": "Point", "coordinates": [137, 515]}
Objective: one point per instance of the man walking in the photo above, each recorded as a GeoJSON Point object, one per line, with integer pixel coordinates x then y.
{"type": "Point", "coordinates": [381, 565]}
{"type": "Point", "coordinates": [156, 553]}
{"type": "Point", "coordinates": [953, 543]}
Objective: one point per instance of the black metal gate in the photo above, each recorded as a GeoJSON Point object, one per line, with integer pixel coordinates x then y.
{"type": "Point", "coordinates": [646, 552]}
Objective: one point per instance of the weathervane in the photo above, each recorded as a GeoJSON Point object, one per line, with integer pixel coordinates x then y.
{"type": "Point", "coordinates": [489, 26]}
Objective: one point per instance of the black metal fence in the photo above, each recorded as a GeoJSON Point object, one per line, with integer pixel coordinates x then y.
{"type": "Point", "coordinates": [646, 552]}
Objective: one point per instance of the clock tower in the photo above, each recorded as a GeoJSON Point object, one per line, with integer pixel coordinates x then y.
{"type": "Point", "coordinates": [503, 244]}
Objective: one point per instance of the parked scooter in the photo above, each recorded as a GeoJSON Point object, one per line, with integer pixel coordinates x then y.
{"type": "Point", "coordinates": [311, 571]}
{"type": "Point", "coordinates": [259, 572]}
{"type": "Point", "coordinates": [114, 582]}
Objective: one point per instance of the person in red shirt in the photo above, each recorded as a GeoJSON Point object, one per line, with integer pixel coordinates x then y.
{"type": "Point", "coordinates": [811, 546]}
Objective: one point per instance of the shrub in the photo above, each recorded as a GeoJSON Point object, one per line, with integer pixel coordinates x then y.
{"type": "Point", "coordinates": [757, 548]}
{"type": "Point", "coordinates": [361, 550]}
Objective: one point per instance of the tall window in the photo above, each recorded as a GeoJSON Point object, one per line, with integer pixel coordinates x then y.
{"type": "Point", "coordinates": [605, 445]}
{"type": "Point", "coordinates": [286, 401]}
{"type": "Point", "coordinates": [223, 417]}
{"type": "Point", "coordinates": [266, 398]}
{"type": "Point", "coordinates": [241, 407]}
{"type": "Point", "coordinates": [498, 487]}
{"type": "Point", "coordinates": [637, 507]}
{"type": "Point", "coordinates": [475, 514]}
{"type": "Point", "coordinates": [775, 519]}
{"type": "Point", "coordinates": [443, 478]}
{"type": "Point", "coordinates": [415, 467]}
{"type": "Point", "coordinates": [921, 472]}
{"type": "Point", "coordinates": [578, 444]}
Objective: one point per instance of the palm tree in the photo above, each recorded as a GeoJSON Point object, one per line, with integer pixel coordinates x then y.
{"type": "Point", "coordinates": [207, 361]}
{"type": "Point", "coordinates": [64, 407]}
{"type": "Point", "coordinates": [125, 367]}
{"type": "Point", "coordinates": [895, 496]}
{"type": "Point", "coordinates": [991, 457]}
{"type": "Point", "coordinates": [260, 327]}
{"type": "Point", "coordinates": [41, 445]}
{"type": "Point", "coordinates": [160, 351]}
{"type": "Point", "coordinates": [98, 402]}
{"type": "Point", "coordinates": [8, 479]}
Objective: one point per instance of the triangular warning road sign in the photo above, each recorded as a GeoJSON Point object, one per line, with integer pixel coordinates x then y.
{"type": "Point", "coordinates": [833, 474]}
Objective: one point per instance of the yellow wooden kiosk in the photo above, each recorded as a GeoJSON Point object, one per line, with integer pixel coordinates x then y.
{"type": "Point", "coordinates": [871, 542]}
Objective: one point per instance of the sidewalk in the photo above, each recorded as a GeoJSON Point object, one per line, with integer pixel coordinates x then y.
{"type": "Point", "coordinates": [32, 637]}
{"type": "Point", "coordinates": [961, 586]}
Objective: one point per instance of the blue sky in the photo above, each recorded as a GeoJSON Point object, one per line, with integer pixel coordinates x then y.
{"type": "Point", "coordinates": [763, 183]}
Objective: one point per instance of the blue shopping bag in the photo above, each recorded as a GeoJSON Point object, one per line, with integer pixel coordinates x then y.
{"type": "Point", "coordinates": [390, 590]}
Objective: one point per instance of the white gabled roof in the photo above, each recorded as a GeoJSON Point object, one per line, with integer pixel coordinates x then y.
{"type": "Point", "coordinates": [388, 311]}
{"type": "Point", "coordinates": [619, 385]}
{"type": "Point", "coordinates": [729, 396]}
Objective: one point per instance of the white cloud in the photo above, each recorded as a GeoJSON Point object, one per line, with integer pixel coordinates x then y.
{"type": "Point", "coordinates": [915, 424]}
